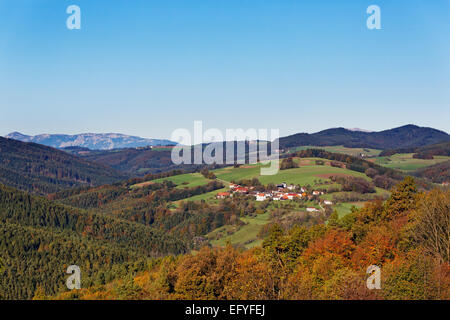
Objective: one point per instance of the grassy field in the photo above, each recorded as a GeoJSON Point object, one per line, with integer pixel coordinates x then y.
{"type": "Point", "coordinates": [209, 196]}
{"type": "Point", "coordinates": [341, 149]}
{"type": "Point", "coordinates": [187, 180]}
{"type": "Point", "coordinates": [307, 174]}
{"type": "Point", "coordinates": [405, 162]}
{"type": "Point", "coordinates": [246, 235]}
{"type": "Point", "coordinates": [345, 208]}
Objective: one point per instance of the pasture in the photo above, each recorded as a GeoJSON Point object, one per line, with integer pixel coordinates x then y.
{"type": "Point", "coordinates": [406, 162]}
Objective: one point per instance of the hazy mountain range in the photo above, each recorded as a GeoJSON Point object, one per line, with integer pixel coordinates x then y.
{"type": "Point", "coordinates": [401, 137]}
{"type": "Point", "coordinates": [93, 141]}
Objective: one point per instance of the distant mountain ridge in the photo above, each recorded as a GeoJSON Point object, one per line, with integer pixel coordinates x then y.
{"type": "Point", "coordinates": [93, 141]}
{"type": "Point", "coordinates": [402, 137]}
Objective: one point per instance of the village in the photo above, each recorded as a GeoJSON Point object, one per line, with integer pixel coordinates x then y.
{"type": "Point", "coordinates": [283, 192]}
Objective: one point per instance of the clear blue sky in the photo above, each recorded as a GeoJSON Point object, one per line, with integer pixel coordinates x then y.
{"type": "Point", "coordinates": [149, 67]}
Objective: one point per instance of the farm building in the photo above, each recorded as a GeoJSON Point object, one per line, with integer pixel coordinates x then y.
{"type": "Point", "coordinates": [241, 190]}
{"type": "Point", "coordinates": [261, 197]}
{"type": "Point", "coordinates": [223, 195]}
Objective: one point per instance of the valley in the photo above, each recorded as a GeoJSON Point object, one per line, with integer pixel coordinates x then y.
{"type": "Point", "coordinates": [114, 222]}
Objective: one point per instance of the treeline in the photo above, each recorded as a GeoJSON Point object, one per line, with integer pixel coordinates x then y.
{"type": "Point", "coordinates": [352, 163]}
{"type": "Point", "coordinates": [438, 173]}
{"type": "Point", "coordinates": [138, 162]}
{"type": "Point", "coordinates": [354, 184]}
{"type": "Point", "coordinates": [160, 175]}
{"type": "Point", "coordinates": [153, 194]}
{"type": "Point", "coordinates": [426, 152]}
{"type": "Point", "coordinates": [405, 236]}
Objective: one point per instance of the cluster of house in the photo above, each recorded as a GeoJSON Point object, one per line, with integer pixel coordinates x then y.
{"type": "Point", "coordinates": [283, 192]}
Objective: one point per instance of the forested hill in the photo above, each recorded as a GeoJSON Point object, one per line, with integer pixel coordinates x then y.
{"type": "Point", "coordinates": [39, 239]}
{"type": "Point", "coordinates": [402, 137]}
{"type": "Point", "coordinates": [138, 162]}
{"type": "Point", "coordinates": [41, 170]}
{"type": "Point", "coordinates": [439, 149]}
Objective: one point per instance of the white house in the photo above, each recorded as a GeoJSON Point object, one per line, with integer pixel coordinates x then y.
{"type": "Point", "coordinates": [260, 197]}
{"type": "Point", "coordinates": [328, 202]}
{"type": "Point", "coordinates": [310, 209]}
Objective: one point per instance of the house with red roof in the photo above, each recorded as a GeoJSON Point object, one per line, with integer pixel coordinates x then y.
{"type": "Point", "coordinates": [223, 195]}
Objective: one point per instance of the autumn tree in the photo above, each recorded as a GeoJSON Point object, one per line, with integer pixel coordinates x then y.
{"type": "Point", "coordinates": [403, 197]}
{"type": "Point", "coordinates": [432, 224]}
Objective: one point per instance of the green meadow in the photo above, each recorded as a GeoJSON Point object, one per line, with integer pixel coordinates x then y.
{"type": "Point", "coordinates": [246, 235]}
{"type": "Point", "coordinates": [406, 162]}
{"type": "Point", "coordinates": [309, 174]}
{"type": "Point", "coordinates": [341, 149]}
{"type": "Point", "coordinates": [187, 180]}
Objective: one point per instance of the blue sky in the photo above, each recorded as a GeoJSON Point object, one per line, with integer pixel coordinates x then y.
{"type": "Point", "coordinates": [148, 67]}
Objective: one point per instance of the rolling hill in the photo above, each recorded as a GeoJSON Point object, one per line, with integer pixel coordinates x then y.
{"type": "Point", "coordinates": [134, 162]}
{"type": "Point", "coordinates": [139, 162]}
{"type": "Point", "coordinates": [402, 137]}
{"type": "Point", "coordinates": [40, 169]}
{"type": "Point", "coordinates": [438, 149]}
{"type": "Point", "coordinates": [438, 173]}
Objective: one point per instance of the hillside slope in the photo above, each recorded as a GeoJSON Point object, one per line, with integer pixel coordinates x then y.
{"type": "Point", "coordinates": [39, 239]}
{"type": "Point", "coordinates": [135, 162]}
{"type": "Point", "coordinates": [438, 149]}
{"type": "Point", "coordinates": [40, 169]}
{"type": "Point", "coordinates": [439, 173]}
